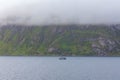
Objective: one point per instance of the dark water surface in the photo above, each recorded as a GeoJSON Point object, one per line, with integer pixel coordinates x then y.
{"type": "Point", "coordinates": [51, 68]}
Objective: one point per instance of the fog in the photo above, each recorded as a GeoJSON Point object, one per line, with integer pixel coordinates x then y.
{"type": "Point", "coordinates": [59, 11]}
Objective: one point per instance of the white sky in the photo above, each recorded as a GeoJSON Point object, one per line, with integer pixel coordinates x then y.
{"type": "Point", "coordinates": [61, 11]}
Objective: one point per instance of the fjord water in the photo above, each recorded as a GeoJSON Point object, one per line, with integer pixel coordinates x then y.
{"type": "Point", "coordinates": [51, 68]}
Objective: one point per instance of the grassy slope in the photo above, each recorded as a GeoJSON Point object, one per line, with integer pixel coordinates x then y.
{"type": "Point", "coordinates": [70, 40]}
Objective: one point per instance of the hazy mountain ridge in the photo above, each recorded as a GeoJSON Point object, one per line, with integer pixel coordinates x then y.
{"type": "Point", "coordinates": [70, 40]}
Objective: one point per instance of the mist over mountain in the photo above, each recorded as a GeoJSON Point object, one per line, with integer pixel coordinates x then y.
{"type": "Point", "coordinates": [60, 27]}
{"type": "Point", "coordinates": [60, 11]}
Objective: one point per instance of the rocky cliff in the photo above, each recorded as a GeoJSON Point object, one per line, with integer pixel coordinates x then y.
{"type": "Point", "coordinates": [55, 40]}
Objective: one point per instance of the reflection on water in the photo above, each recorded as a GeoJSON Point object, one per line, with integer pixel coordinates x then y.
{"type": "Point", "coordinates": [51, 68]}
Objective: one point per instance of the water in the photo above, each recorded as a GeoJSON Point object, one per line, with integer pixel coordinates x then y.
{"type": "Point", "coordinates": [51, 68]}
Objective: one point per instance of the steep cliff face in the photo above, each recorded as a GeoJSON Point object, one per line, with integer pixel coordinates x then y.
{"type": "Point", "coordinates": [70, 40]}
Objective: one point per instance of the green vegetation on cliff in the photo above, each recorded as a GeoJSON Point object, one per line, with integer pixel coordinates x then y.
{"type": "Point", "coordinates": [55, 40]}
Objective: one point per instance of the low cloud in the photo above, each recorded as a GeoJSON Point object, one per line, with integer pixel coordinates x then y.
{"type": "Point", "coordinates": [61, 11]}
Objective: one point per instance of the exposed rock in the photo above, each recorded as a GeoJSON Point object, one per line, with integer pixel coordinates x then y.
{"type": "Point", "coordinates": [98, 40]}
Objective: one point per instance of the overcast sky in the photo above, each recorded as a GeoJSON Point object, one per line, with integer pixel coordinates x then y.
{"type": "Point", "coordinates": [60, 11]}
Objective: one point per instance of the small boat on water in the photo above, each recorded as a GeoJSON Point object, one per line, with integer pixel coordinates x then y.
{"type": "Point", "coordinates": [62, 58]}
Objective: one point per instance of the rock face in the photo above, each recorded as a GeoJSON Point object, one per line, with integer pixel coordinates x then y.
{"type": "Point", "coordinates": [68, 40]}
{"type": "Point", "coordinates": [103, 46]}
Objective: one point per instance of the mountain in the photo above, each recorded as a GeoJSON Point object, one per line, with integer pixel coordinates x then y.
{"type": "Point", "coordinates": [56, 40]}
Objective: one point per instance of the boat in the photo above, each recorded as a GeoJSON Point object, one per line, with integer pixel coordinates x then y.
{"type": "Point", "coordinates": [62, 58]}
